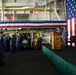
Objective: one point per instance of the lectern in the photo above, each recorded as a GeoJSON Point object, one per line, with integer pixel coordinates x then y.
{"type": "Point", "coordinates": [36, 44]}
{"type": "Point", "coordinates": [56, 41]}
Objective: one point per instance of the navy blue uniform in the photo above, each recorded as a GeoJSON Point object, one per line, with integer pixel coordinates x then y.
{"type": "Point", "coordinates": [29, 42]}
{"type": "Point", "coordinates": [1, 48]}
{"type": "Point", "coordinates": [64, 37]}
{"type": "Point", "coordinates": [40, 40]}
{"type": "Point", "coordinates": [7, 43]}
{"type": "Point", "coordinates": [13, 45]}
{"type": "Point", "coordinates": [18, 43]}
{"type": "Point", "coordinates": [59, 30]}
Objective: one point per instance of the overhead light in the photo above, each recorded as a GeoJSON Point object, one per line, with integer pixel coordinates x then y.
{"type": "Point", "coordinates": [25, 7]}
{"type": "Point", "coordinates": [19, 28]}
{"type": "Point", "coordinates": [18, 8]}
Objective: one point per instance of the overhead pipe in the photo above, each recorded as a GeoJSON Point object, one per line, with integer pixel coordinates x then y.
{"type": "Point", "coordinates": [56, 10]}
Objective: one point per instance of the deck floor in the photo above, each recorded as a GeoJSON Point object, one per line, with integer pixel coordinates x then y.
{"type": "Point", "coordinates": [27, 62]}
{"type": "Point", "coordinates": [68, 53]}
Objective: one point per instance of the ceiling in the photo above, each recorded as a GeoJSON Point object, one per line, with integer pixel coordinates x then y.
{"type": "Point", "coordinates": [24, 4]}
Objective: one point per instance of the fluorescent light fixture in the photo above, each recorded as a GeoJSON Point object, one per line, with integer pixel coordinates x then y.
{"type": "Point", "coordinates": [18, 8]}
{"type": "Point", "coordinates": [11, 8]}
{"type": "Point", "coordinates": [19, 28]}
{"type": "Point", "coordinates": [25, 7]}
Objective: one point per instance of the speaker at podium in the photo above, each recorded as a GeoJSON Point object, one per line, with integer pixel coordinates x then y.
{"type": "Point", "coordinates": [56, 41]}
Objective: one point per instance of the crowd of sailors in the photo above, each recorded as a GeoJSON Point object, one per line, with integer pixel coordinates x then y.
{"type": "Point", "coordinates": [14, 43]}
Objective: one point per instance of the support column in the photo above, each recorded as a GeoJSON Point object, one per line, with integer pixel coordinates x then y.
{"type": "Point", "coordinates": [55, 10]}
{"type": "Point", "coordinates": [64, 4]}
{"type": "Point", "coordinates": [45, 9]}
{"type": "Point", "coordinates": [2, 11]}
{"type": "Point", "coordinates": [13, 12]}
{"type": "Point", "coordinates": [34, 11]}
{"type": "Point", "coordinates": [50, 11]}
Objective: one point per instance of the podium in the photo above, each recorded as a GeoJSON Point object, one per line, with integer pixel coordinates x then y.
{"type": "Point", "coordinates": [56, 41]}
{"type": "Point", "coordinates": [36, 44]}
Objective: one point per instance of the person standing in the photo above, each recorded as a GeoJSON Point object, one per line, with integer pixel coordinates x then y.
{"type": "Point", "coordinates": [59, 30]}
{"type": "Point", "coordinates": [29, 41]}
{"type": "Point", "coordinates": [7, 43]}
{"type": "Point", "coordinates": [2, 48]}
{"type": "Point", "coordinates": [40, 41]}
{"type": "Point", "coordinates": [18, 43]}
{"type": "Point", "coordinates": [64, 37]}
{"type": "Point", "coordinates": [13, 44]}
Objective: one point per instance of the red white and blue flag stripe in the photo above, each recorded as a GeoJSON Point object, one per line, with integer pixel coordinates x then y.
{"type": "Point", "coordinates": [32, 24]}
{"type": "Point", "coordinates": [71, 20]}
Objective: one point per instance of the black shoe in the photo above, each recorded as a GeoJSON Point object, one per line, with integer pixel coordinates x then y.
{"type": "Point", "coordinates": [2, 63]}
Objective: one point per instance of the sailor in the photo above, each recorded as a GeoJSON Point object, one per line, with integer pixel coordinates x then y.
{"type": "Point", "coordinates": [13, 44]}
{"type": "Point", "coordinates": [40, 41]}
{"type": "Point", "coordinates": [18, 43]}
{"type": "Point", "coordinates": [7, 43]}
{"type": "Point", "coordinates": [2, 48]}
{"type": "Point", "coordinates": [59, 30]}
{"type": "Point", "coordinates": [29, 41]}
{"type": "Point", "coordinates": [64, 37]}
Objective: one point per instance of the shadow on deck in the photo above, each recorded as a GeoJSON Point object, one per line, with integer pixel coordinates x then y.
{"type": "Point", "coordinates": [28, 62]}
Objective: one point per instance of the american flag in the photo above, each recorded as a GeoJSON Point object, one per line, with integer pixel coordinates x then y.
{"type": "Point", "coordinates": [71, 20]}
